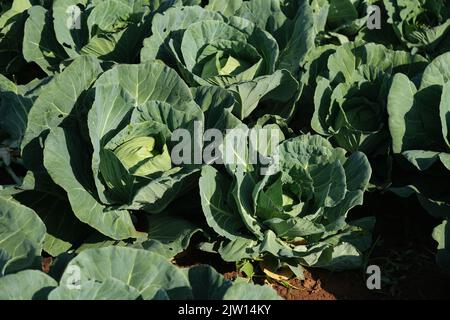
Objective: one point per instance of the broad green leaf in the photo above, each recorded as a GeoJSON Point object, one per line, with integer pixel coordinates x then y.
{"type": "Point", "coordinates": [57, 103]}
{"type": "Point", "coordinates": [156, 246]}
{"type": "Point", "coordinates": [344, 257]}
{"type": "Point", "coordinates": [17, 7]}
{"type": "Point", "coordinates": [173, 232]}
{"type": "Point", "coordinates": [265, 44]}
{"type": "Point", "coordinates": [303, 35]}
{"type": "Point", "coordinates": [26, 285]}
{"type": "Point", "coordinates": [294, 227]}
{"type": "Point", "coordinates": [15, 105]}
{"type": "Point", "coordinates": [357, 172]}
{"type": "Point", "coordinates": [168, 116]}
{"type": "Point", "coordinates": [219, 216]}
{"type": "Point", "coordinates": [239, 249]}
{"type": "Point", "coordinates": [21, 235]}
{"type": "Point", "coordinates": [244, 291]}
{"type": "Point", "coordinates": [69, 20]}
{"type": "Point", "coordinates": [242, 193]}
{"type": "Point", "coordinates": [336, 215]}
{"type": "Point", "coordinates": [64, 230]}
{"type": "Point", "coordinates": [401, 113]}
{"type": "Point", "coordinates": [279, 86]}
{"type": "Point", "coordinates": [173, 22]}
{"type": "Point", "coordinates": [444, 111]}
{"type": "Point", "coordinates": [269, 16]}
{"type": "Point", "coordinates": [145, 271]}
{"type": "Point", "coordinates": [67, 165]}
{"type": "Point", "coordinates": [217, 104]}
{"type": "Point", "coordinates": [110, 289]}
{"type": "Point", "coordinates": [155, 195]}
{"type": "Point", "coordinates": [341, 12]}
{"type": "Point", "coordinates": [329, 183]}
{"type": "Point", "coordinates": [442, 236]}
{"type": "Point", "coordinates": [421, 159]}
{"type": "Point", "coordinates": [207, 284]}
{"type": "Point", "coordinates": [227, 8]}
{"type": "Point", "coordinates": [145, 82]}
{"type": "Point", "coordinates": [116, 176]}
{"type": "Point", "coordinates": [437, 72]}
{"type": "Point", "coordinates": [39, 43]}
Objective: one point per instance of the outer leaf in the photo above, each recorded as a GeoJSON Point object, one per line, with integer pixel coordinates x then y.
{"type": "Point", "coordinates": [244, 291]}
{"type": "Point", "coordinates": [400, 103]}
{"type": "Point", "coordinates": [444, 112]}
{"type": "Point", "coordinates": [57, 103]}
{"type": "Point", "coordinates": [73, 39]}
{"type": "Point", "coordinates": [173, 232]}
{"type": "Point", "coordinates": [26, 285]}
{"type": "Point", "coordinates": [66, 165]}
{"type": "Point", "coordinates": [21, 235]}
{"type": "Point", "coordinates": [145, 271]}
{"type": "Point", "coordinates": [39, 43]}
{"type": "Point", "coordinates": [64, 230]}
{"type": "Point", "coordinates": [227, 8]}
{"type": "Point", "coordinates": [280, 84]}
{"type": "Point", "coordinates": [442, 235]}
{"type": "Point", "coordinates": [15, 105]}
{"type": "Point", "coordinates": [111, 289]}
{"type": "Point", "coordinates": [437, 72]}
{"type": "Point", "coordinates": [302, 40]}
{"type": "Point", "coordinates": [219, 216]}
{"type": "Point", "coordinates": [207, 284]}
{"type": "Point", "coordinates": [172, 22]}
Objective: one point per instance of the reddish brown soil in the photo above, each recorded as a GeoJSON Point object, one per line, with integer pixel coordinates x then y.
{"type": "Point", "coordinates": [46, 264]}
{"type": "Point", "coordinates": [350, 285]}
{"type": "Point", "coordinates": [319, 285]}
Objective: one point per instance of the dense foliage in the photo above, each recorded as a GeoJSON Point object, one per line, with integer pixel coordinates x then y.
{"type": "Point", "coordinates": [94, 95]}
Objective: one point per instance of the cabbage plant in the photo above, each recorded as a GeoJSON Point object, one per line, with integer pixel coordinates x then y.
{"type": "Point", "coordinates": [107, 142]}
{"type": "Point", "coordinates": [298, 214]}
{"type": "Point", "coordinates": [350, 99]}
{"type": "Point", "coordinates": [421, 24]}
{"type": "Point", "coordinates": [233, 53]}
{"type": "Point", "coordinates": [66, 29]}
{"type": "Point", "coordinates": [418, 123]}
